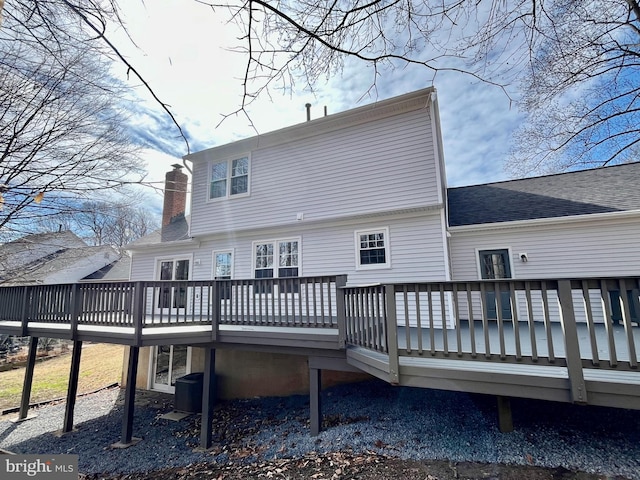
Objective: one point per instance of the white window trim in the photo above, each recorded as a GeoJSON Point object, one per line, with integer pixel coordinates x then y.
{"type": "Point", "coordinates": [158, 260]}
{"type": "Point", "coordinates": [502, 247]}
{"type": "Point", "coordinates": [233, 261]}
{"type": "Point", "coordinates": [276, 253]}
{"type": "Point", "coordinates": [229, 169]}
{"type": "Point", "coordinates": [387, 248]}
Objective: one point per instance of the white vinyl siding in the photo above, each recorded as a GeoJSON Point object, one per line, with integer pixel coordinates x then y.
{"type": "Point", "coordinates": [600, 248]}
{"type": "Point", "coordinates": [372, 249]}
{"type": "Point", "coordinates": [559, 250]}
{"type": "Point", "coordinates": [417, 251]}
{"type": "Point", "coordinates": [375, 167]}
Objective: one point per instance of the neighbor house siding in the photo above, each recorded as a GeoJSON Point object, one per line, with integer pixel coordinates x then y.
{"type": "Point", "coordinates": [358, 170]}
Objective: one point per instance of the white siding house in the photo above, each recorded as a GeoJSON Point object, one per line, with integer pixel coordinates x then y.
{"type": "Point", "coordinates": [363, 193]}
{"type": "Point", "coordinates": [357, 193]}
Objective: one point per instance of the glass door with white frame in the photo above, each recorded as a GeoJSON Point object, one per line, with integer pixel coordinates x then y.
{"type": "Point", "coordinates": [170, 362]}
{"type": "Point", "coordinates": [172, 298]}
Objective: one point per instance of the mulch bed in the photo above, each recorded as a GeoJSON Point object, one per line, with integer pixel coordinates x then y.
{"type": "Point", "coordinates": [345, 466]}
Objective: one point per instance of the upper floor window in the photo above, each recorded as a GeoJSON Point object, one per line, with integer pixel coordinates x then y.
{"type": "Point", "coordinates": [229, 178]}
{"type": "Point", "coordinates": [372, 249]}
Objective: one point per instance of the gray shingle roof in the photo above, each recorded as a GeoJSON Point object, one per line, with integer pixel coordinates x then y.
{"type": "Point", "coordinates": [600, 190]}
{"type": "Point", "coordinates": [177, 230]}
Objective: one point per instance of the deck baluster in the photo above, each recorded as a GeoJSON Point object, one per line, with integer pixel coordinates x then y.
{"type": "Point", "coordinates": [407, 320]}
{"type": "Point", "coordinates": [432, 333]}
{"type": "Point", "coordinates": [418, 321]}
{"type": "Point", "coordinates": [595, 359]}
{"type": "Point", "coordinates": [515, 321]}
{"type": "Point", "coordinates": [392, 335]}
{"type": "Point", "coordinates": [472, 326]}
{"type": "Point", "coordinates": [485, 320]}
{"type": "Point", "coordinates": [628, 328]}
{"type": "Point", "coordinates": [500, 319]}
{"type": "Point", "coordinates": [547, 322]}
{"type": "Point", "coordinates": [531, 322]}
{"type": "Point", "coordinates": [443, 322]}
{"type": "Point", "coordinates": [456, 318]}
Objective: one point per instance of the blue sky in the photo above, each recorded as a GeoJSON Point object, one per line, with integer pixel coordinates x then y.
{"type": "Point", "coordinates": [183, 53]}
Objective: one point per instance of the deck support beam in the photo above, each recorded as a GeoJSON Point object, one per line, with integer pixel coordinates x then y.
{"type": "Point", "coordinates": [505, 418]}
{"type": "Point", "coordinates": [315, 401]}
{"type": "Point", "coordinates": [28, 378]}
{"type": "Point", "coordinates": [72, 389]}
{"type": "Point", "coordinates": [127, 439]}
{"type": "Point", "coordinates": [208, 397]}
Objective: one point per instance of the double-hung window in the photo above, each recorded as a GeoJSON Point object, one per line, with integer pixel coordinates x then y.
{"type": "Point", "coordinates": [229, 178]}
{"type": "Point", "coordinates": [277, 259]}
{"type": "Point", "coordinates": [372, 249]}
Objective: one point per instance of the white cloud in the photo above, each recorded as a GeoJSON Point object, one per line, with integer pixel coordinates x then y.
{"type": "Point", "coordinates": [186, 62]}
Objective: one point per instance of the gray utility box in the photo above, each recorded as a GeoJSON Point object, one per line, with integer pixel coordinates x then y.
{"type": "Point", "coordinates": [188, 396]}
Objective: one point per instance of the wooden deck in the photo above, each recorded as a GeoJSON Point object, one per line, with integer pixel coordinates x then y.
{"type": "Point", "coordinates": [563, 340]}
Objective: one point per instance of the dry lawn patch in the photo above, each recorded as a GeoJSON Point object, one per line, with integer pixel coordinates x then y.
{"type": "Point", "coordinates": [100, 365]}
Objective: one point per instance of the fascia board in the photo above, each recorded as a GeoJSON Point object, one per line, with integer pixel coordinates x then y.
{"type": "Point", "coordinates": [598, 217]}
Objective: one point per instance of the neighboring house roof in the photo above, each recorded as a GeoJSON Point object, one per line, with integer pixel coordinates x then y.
{"type": "Point", "coordinates": [59, 257]}
{"type": "Point", "coordinates": [31, 248]}
{"type": "Point", "coordinates": [64, 266]}
{"type": "Point", "coordinates": [117, 271]}
{"type": "Point", "coordinates": [600, 190]}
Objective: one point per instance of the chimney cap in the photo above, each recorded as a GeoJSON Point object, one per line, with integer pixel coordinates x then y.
{"type": "Point", "coordinates": [177, 166]}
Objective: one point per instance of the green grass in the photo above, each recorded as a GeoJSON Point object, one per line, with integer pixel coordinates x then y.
{"type": "Point", "coordinates": [100, 365]}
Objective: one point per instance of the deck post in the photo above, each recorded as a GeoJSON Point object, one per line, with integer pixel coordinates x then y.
{"type": "Point", "coordinates": [208, 397]}
{"type": "Point", "coordinates": [392, 334]}
{"type": "Point", "coordinates": [341, 281]}
{"type": "Point", "coordinates": [28, 378]}
{"type": "Point", "coordinates": [138, 313]}
{"type": "Point", "coordinates": [571, 344]}
{"type": "Point", "coordinates": [315, 401]}
{"type": "Point", "coordinates": [215, 308]}
{"type": "Point", "coordinates": [25, 311]}
{"type": "Point", "coordinates": [76, 305]}
{"type": "Point", "coordinates": [72, 388]}
{"type": "Point", "coordinates": [505, 418]}
{"type": "Point", "coordinates": [127, 438]}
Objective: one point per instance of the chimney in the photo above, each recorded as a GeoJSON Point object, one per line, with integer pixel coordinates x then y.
{"type": "Point", "coordinates": [175, 194]}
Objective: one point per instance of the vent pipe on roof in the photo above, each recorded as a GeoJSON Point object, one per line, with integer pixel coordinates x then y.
{"type": "Point", "coordinates": [325, 110]}
{"type": "Point", "coordinates": [308, 105]}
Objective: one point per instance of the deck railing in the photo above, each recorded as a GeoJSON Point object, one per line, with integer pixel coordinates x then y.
{"type": "Point", "coordinates": [575, 323]}
{"type": "Point", "coordinates": [283, 302]}
{"type": "Point", "coordinates": [586, 323]}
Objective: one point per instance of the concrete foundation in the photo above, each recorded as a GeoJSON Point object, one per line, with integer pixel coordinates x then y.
{"type": "Point", "coordinates": [246, 374]}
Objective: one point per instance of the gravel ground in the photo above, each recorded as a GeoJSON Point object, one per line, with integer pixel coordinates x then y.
{"type": "Point", "coordinates": [371, 417]}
